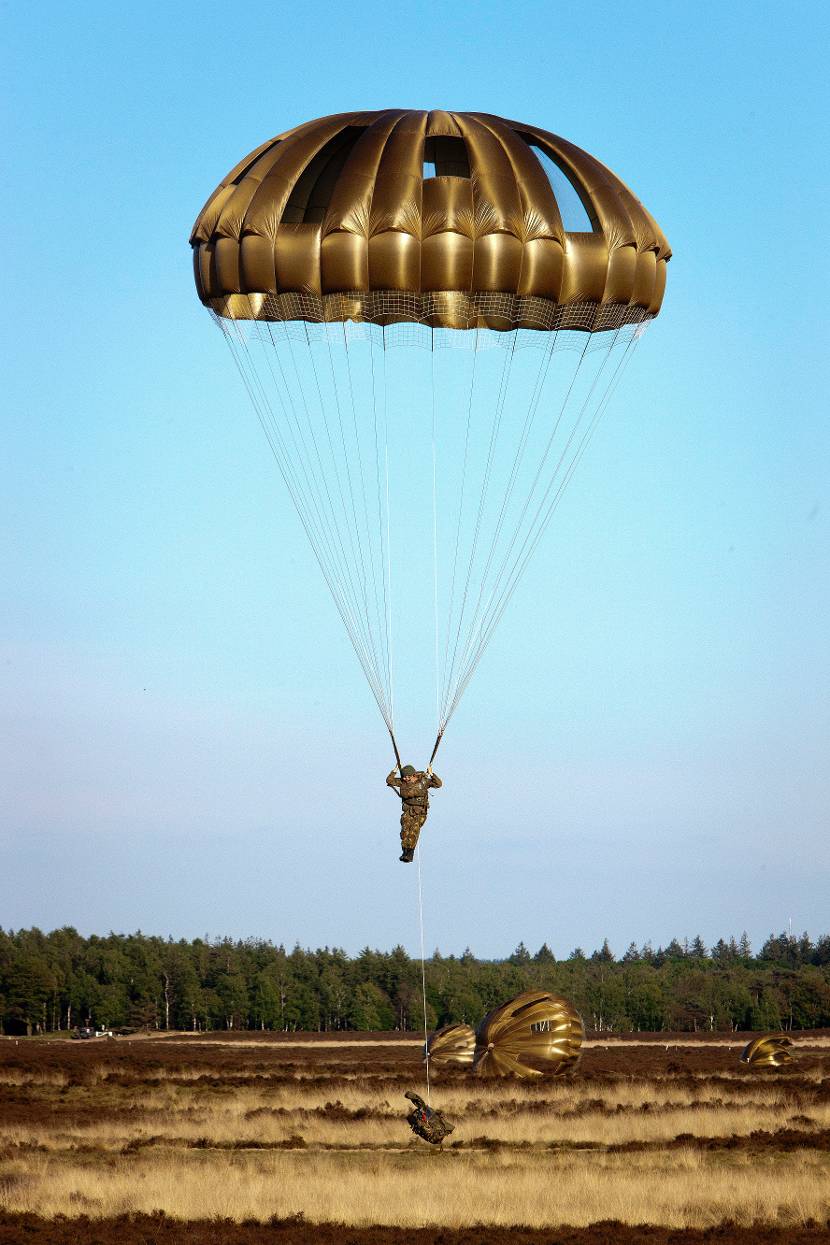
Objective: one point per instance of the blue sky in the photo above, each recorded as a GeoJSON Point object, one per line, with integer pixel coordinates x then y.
{"type": "Point", "coordinates": [189, 746]}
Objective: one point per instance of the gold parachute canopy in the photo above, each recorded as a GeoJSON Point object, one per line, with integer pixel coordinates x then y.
{"type": "Point", "coordinates": [453, 1045]}
{"type": "Point", "coordinates": [449, 219]}
{"type": "Point", "coordinates": [771, 1050]}
{"type": "Point", "coordinates": [386, 279]}
{"type": "Point", "coordinates": [533, 1035]}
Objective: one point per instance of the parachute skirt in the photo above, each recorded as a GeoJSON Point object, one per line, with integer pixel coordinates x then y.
{"type": "Point", "coordinates": [447, 309]}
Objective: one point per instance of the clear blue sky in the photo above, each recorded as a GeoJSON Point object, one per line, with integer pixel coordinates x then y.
{"type": "Point", "coordinates": [188, 745]}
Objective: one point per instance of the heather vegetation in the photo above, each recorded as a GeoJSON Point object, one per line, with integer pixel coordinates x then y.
{"type": "Point", "coordinates": [60, 980]}
{"type": "Point", "coordinates": [274, 1129]}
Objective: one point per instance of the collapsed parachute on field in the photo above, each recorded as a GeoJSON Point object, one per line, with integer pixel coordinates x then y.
{"type": "Point", "coordinates": [454, 1045]}
{"type": "Point", "coordinates": [533, 1035]}
{"type": "Point", "coordinates": [770, 1050]}
{"type": "Point", "coordinates": [430, 312]}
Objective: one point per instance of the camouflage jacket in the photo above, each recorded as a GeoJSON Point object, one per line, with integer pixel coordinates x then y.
{"type": "Point", "coordinates": [415, 793]}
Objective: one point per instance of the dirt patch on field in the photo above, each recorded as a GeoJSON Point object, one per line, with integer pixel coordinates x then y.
{"type": "Point", "coordinates": [207, 1058]}
{"type": "Point", "coordinates": [161, 1230]}
{"type": "Point", "coordinates": [782, 1140]}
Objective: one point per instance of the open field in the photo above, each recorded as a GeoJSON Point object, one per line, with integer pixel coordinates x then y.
{"type": "Point", "coordinates": [669, 1130]}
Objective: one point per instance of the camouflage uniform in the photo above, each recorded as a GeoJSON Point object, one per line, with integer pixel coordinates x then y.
{"type": "Point", "coordinates": [425, 1122]}
{"type": "Point", "coordinates": [415, 797]}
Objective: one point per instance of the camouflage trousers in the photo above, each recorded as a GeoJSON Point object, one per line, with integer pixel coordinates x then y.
{"type": "Point", "coordinates": [411, 821]}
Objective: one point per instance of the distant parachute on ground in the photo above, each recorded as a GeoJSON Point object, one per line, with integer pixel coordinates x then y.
{"type": "Point", "coordinates": [771, 1050]}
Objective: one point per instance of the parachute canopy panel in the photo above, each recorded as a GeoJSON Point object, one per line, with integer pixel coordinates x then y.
{"type": "Point", "coordinates": [447, 219]}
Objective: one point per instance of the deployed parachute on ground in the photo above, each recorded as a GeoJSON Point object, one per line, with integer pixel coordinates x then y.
{"type": "Point", "coordinates": [533, 1035]}
{"type": "Point", "coordinates": [770, 1050]}
{"type": "Point", "coordinates": [454, 1045]}
{"type": "Point", "coordinates": [536, 1034]}
{"type": "Point", "coordinates": [430, 312]}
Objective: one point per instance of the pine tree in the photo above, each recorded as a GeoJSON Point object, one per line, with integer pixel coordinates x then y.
{"type": "Point", "coordinates": [605, 955]}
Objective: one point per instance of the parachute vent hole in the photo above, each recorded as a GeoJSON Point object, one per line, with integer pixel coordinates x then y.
{"type": "Point", "coordinates": [445, 156]}
{"type": "Point", "coordinates": [574, 206]}
{"type": "Point", "coordinates": [310, 199]}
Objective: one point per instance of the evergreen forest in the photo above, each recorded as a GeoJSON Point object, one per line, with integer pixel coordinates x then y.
{"type": "Point", "coordinates": [60, 981]}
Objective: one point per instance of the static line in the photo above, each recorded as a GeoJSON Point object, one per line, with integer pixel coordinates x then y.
{"type": "Point", "coordinates": [423, 969]}
{"type": "Point", "coordinates": [435, 544]}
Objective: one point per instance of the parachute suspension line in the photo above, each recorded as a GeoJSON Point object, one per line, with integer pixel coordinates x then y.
{"type": "Point", "coordinates": [337, 526]}
{"type": "Point", "coordinates": [388, 543]}
{"type": "Point", "coordinates": [356, 568]}
{"type": "Point", "coordinates": [481, 614]}
{"type": "Point", "coordinates": [494, 431]}
{"type": "Point", "coordinates": [270, 426]}
{"type": "Point", "coordinates": [423, 969]}
{"type": "Point", "coordinates": [330, 488]}
{"type": "Point", "coordinates": [382, 531]}
{"type": "Point", "coordinates": [538, 387]}
{"type": "Point", "coordinates": [461, 503]}
{"type": "Point", "coordinates": [584, 407]}
{"type": "Point", "coordinates": [585, 440]}
{"type": "Point", "coordinates": [340, 566]}
{"type": "Point", "coordinates": [272, 431]}
{"type": "Point", "coordinates": [395, 748]}
{"type": "Point", "coordinates": [310, 512]}
{"type": "Point", "coordinates": [339, 569]}
{"type": "Point", "coordinates": [378, 646]}
{"type": "Point", "coordinates": [363, 577]}
{"type": "Point", "coordinates": [387, 569]}
{"type": "Point", "coordinates": [552, 505]}
{"type": "Point", "coordinates": [435, 545]}
{"type": "Point", "coordinates": [317, 485]}
{"type": "Point", "coordinates": [502, 594]}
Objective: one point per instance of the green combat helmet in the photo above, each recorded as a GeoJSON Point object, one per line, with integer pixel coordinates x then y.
{"type": "Point", "coordinates": [408, 771]}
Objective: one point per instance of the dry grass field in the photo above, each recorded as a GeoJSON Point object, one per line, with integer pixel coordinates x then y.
{"type": "Point", "coordinates": [275, 1133]}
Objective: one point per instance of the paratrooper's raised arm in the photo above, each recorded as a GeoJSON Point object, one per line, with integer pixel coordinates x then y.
{"type": "Point", "coordinates": [434, 780]}
{"type": "Point", "coordinates": [392, 780]}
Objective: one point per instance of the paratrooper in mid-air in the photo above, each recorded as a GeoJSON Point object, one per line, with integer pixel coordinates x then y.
{"type": "Point", "coordinates": [413, 787]}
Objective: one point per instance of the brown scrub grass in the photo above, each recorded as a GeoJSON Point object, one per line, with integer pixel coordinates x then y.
{"type": "Point", "coordinates": [250, 1129]}
{"type": "Point", "coordinates": [419, 1189]}
{"type": "Point", "coordinates": [354, 1120]}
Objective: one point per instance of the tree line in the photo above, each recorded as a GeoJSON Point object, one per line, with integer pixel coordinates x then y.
{"type": "Point", "coordinates": [61, 980]}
